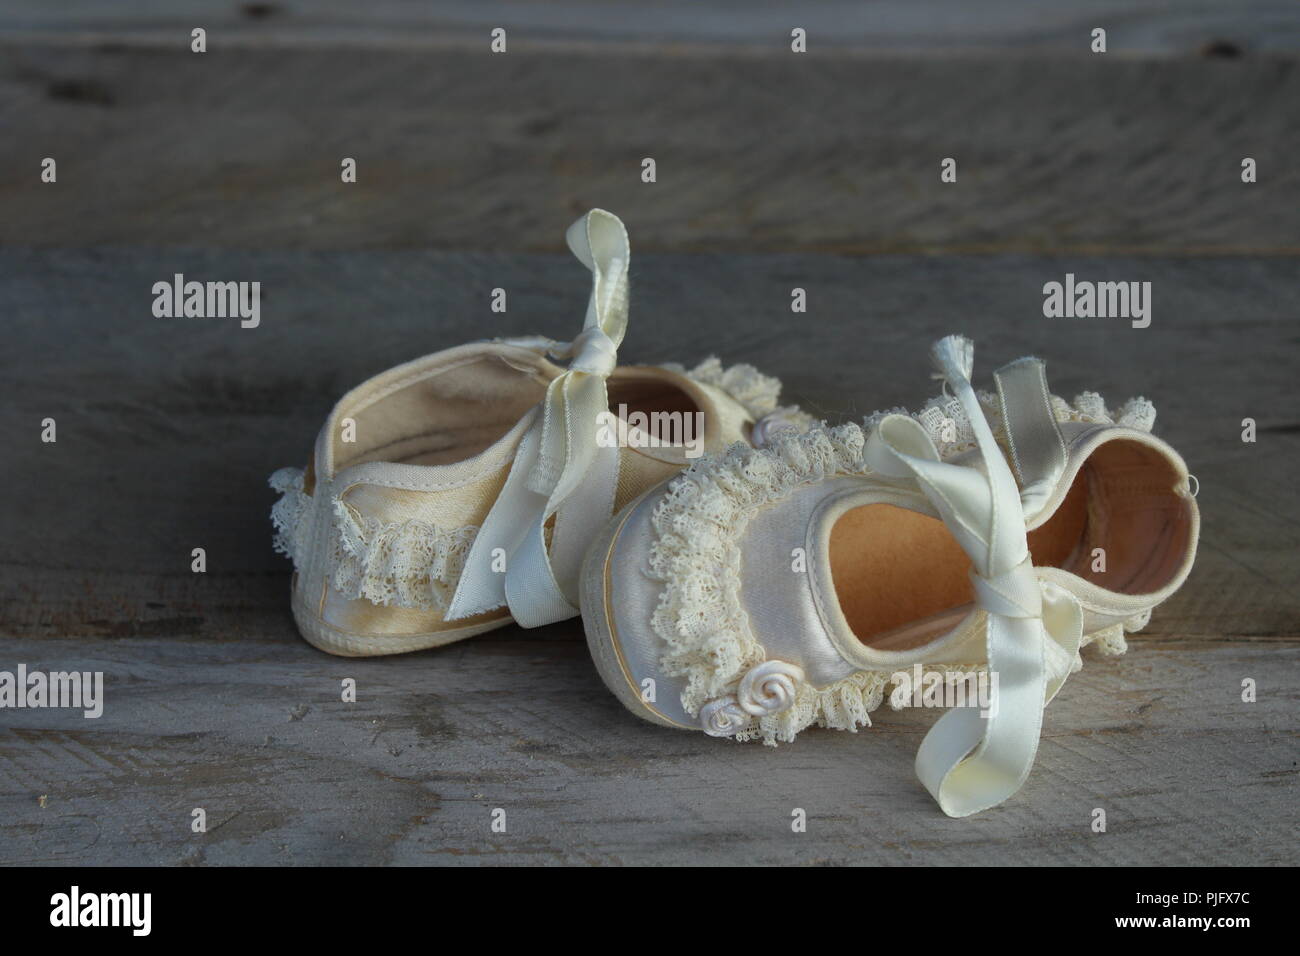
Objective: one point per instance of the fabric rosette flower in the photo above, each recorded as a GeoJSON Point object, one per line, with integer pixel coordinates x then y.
{"type": "Point", "coordinates": [723, 717]}
{"type": "Point", "coordinates": [769, 688]}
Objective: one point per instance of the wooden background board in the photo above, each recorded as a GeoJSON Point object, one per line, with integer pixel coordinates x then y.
{"type": "Point", "coordinates": [775, 172]}
{"type": "Point", "coordinates": [464, 150]}
{"type": "Point", "coordinates": [892, 27]}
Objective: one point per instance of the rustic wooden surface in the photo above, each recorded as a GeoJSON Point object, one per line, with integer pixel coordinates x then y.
{"type": "Point", "coordinates": [470, 169]}
{"type": "Point", "coordinates": [906, 27]}
{"type": "Point", "coordinates": [461, 149]}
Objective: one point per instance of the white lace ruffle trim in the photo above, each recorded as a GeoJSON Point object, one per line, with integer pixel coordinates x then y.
{"type": "Point", "coordinates": [408, 564]}
{"type": "Point", "coordinates": [413, 564]}
{"type": "Point", "coordinates": [755, 392]}
{"type": "Point", "coordinates": [289, 515]}
{"type": "Point", "coordinates": [696, 555]}
{"type": "Point", "coordinates": [950, 429]}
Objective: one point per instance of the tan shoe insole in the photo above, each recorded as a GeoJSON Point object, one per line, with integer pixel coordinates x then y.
{"type": "Point", "coordinates": [902, 579]}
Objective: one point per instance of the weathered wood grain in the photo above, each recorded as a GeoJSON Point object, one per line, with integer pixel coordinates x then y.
{"type": "Point", "coordinates": [255, 734]}
{"type": "Point", "coordinates": [461, 149]}
{"type": "Point", "coordinates": [910, 27]}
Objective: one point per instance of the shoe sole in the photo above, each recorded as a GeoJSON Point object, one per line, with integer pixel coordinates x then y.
{"type": "Point", "coordinates": [597, 621]}
{"type": "Point", "coordinates": [340, 643]}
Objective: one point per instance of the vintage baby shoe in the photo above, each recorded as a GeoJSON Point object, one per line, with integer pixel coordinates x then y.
{"type": "Point", "coordinates": [459, 491]}
{"type": "Point", "coordinates": [765, 590]}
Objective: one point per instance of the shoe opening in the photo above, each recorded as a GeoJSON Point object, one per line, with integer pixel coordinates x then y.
{"type": "Point", "coordinates": [902, 580]}
{"type": "Point", "coordinates": [447, 414]}
{"type": "Point", "coordinates": [656, 404]}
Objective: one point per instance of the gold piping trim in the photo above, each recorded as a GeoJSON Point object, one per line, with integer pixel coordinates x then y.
{"type": "Point", "coordinates": [613, 629]}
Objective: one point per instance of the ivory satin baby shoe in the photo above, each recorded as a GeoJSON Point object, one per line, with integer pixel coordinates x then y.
{"type": "Point", "coordinates": [459, 491]}
{"type": "Point", "coordinates": [991, 536]}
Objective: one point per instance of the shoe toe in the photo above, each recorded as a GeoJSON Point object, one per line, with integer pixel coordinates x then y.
{"type": "Point", "coordinates": [618, 601]}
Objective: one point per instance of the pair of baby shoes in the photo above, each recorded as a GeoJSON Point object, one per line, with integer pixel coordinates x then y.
{"type": "Point", "coordinates": [790, 575]}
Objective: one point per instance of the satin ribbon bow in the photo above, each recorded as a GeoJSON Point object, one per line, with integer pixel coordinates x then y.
{"type": "Point", "coordinates": [1033, 629]}
{"type": "Point", "coordinates": [561, 467]}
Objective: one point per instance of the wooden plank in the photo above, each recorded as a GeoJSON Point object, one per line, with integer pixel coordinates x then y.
{"type": "Point", "coordinates": [255, 734]}
{"type": "Point", "coordinates": [462, 149]}
{"type": "Point", "coordinates": [1019, 27]}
